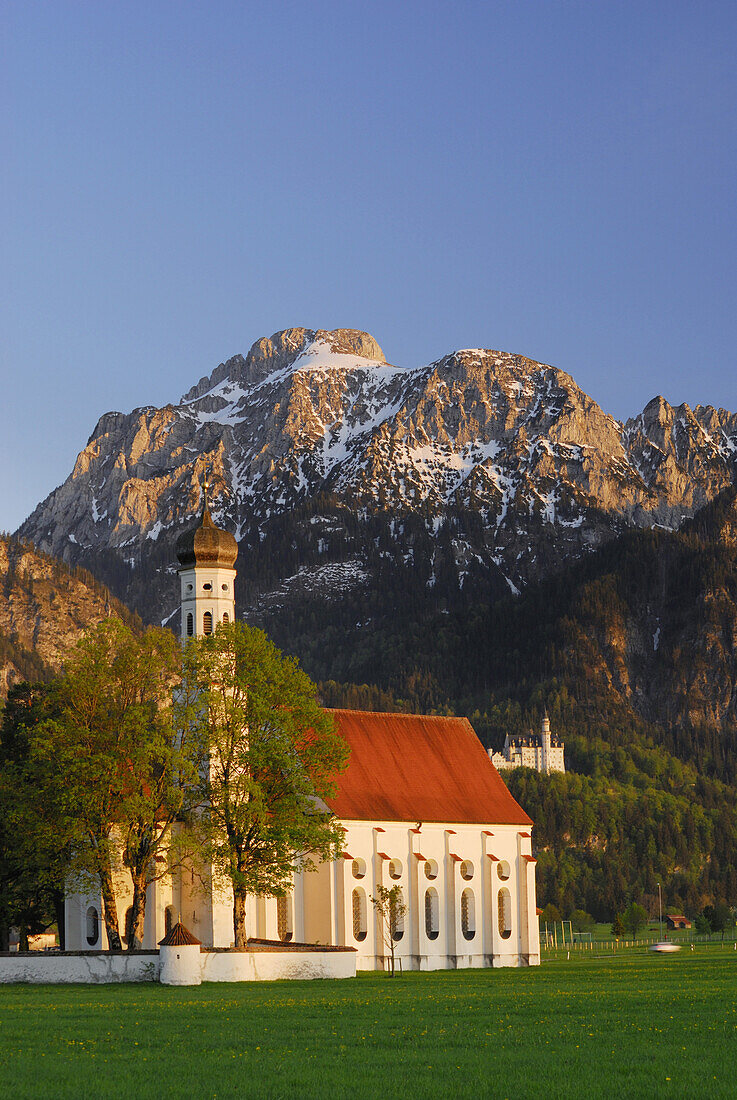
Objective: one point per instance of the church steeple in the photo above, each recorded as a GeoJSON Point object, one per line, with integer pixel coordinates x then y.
{"type": "Point", "coordinates": [207, 557]}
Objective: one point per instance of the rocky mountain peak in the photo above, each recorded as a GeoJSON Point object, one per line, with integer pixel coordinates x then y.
{"type": "Point", "coordinates": [310, 415]}
{"type": "Point", "coordinates": [291, 347]}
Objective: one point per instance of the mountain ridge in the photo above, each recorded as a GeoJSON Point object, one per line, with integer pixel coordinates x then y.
{"type": "Point", "coordinates": [311, 418]}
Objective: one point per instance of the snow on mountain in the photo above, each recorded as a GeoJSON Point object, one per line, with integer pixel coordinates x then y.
{"type": "Point", "coordinates": [539, 470]}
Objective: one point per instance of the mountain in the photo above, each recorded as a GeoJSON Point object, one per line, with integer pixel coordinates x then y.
{"type": "Point", "coordinates": [339, 472]}
{"type": "Point", "coordinates": [45, 607]}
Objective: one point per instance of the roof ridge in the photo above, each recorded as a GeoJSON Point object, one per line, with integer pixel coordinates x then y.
{"type": "Point", "coordinates": [398, 714]}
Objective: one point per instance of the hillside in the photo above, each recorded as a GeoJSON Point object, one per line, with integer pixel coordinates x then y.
{"type": "Point", "coordinates": [337, 470]}
{"type": "Point", "coordinates": [45, 606]}
{"type": "Point", "coordinates": [633, 653]}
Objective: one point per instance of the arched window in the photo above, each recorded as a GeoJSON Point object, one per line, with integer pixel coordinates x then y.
{"type": "Point", "coordinates": [226, 617]}
{"type": "Point", "coordinates": [359, 914]}
{"type": "Point", "coordinates": [397, 916]}
{"type": "Point", "coordinates": [93, 926]}
{"type": "Point", "coordinates": [468, 914]}
{"type": "Point", "coordinates": [431, 868]}
{"type": "Point", "coordinates": [284, 918]}
{"type": "Point", "coordinates": [169, 921]}
{"type": "Point", "coordinates": [467, 870]}
{"type": "Point", "coordinates": [432, 914]}
{"type": "Point", "coordinates": [505, 914]}
{"type": "Point", "coordinates": [190, 624]}
{"type": "Point", "coordinates": [207, 623]}
{"type": "Point", "coordinates": [128, 925]}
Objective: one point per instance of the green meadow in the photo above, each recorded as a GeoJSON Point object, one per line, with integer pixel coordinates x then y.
{"type": "Point", "coordinates": [629, 1025]}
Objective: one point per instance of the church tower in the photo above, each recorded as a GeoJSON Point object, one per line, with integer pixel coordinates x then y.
{"type": "Point", "coordinates": [206, 575]}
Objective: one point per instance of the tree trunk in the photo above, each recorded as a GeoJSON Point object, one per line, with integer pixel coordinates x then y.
{"type": "Point", "coordinates": [109, 907]}
{"type": "Point", "coordinates": [239, 918]}
{"type": "Point", "coordinates": [4, 935]}
{"type": "Point", "coordinates": [60, 918]}
{"type": "Point", "coordinates": [138, 916]}
{"type": "Point", "coordinates": [23, 944]}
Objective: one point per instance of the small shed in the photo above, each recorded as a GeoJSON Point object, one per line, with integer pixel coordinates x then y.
{"type": "Point", "coordinates": [676, 921]}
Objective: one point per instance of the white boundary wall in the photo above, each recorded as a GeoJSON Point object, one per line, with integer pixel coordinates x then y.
{"type": "Point", "coordinates": [217, 966]}
{"type": "Point", "coordinates": [90, 968]}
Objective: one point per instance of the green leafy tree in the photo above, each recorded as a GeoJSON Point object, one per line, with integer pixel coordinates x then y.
{"type": "Point", "coordinates": [581, 921]}
{"type": "Point", "coordinates": [635, 918]}
{"type": "Point", "coordinates": [719, 917]}
{"type": "Point", "coordinates": [273, 756]}
{"type": "Point", "coordinates": [551, 913]}
{"type": "Point", "coordinates": [391, 909]}
{"type": "Point", "coordinates": [703, 925]}
{"type": "Point", "coordinates": [618, 926]}
{"type": "Point", "coordinates": [117, 764]}
{"type": "Point", "coordinates": [35, 838]}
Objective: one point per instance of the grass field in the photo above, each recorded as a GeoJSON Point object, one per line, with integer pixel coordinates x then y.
{"type": "Point", "coordinates": [634, 1025]}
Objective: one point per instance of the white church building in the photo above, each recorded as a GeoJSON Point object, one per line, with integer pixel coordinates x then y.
{"type": "Point", "coordinates": [422, 806]}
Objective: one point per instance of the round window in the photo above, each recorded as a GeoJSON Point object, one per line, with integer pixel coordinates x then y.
{"type": "Point", "coordinates": [189, 587]}
{"type": "Point", "coordinates": [431, 868]}
{"type": "Point", "coordinates": [207, 586]}
{"type": "Point", "coordinates": [502, 869]}
{"type": "Point", "coordinates": [467, 870]}
{"type": "Point", "coordinates": [225, 588]}
{"type": "Point", "coordinates": [395, 868]}
{"type": "Point", "coordinates": [359, 868]}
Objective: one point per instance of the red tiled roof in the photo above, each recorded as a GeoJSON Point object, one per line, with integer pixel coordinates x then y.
{"type": "Point", "coordinates": [412, 767]}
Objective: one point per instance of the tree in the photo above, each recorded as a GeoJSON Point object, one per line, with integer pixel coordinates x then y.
{"type": "Point", "coordinates": [34, 836]}
{"type": "Point", "coordinates": [273, 757]}
{"type": "Point", "coordinates": [635, 918]}
{"type": "Point", "coordinates": [703, 925]}
{"type": "Point", "coordinates": [618, 928]}
{"type": "Point", "coordinates": [582, 921]}
{"type": "Point", "coordinates": [391, 910]}
{"type": "Point", "coordinates": [551, 913]}
{"type": "Point", "coordinates": [718, 917]}
{"type": "Point", "coordinates": [115, 761]}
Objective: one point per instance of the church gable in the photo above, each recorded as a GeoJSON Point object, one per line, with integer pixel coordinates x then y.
{"type": "Point", "coordinates": [408, 767]}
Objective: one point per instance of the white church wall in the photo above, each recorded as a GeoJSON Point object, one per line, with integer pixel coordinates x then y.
{"type": "Point", "coordinates": [449, 854]}
{"type": "Point", "coordinates": [444, 860]}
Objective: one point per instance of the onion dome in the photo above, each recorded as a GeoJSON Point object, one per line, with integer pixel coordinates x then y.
{"type": "Point", "coordinates": [206, 545]}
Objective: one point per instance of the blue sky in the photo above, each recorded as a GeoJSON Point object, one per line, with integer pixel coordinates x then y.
{"type": "Point", "coordinates": [179, 179]}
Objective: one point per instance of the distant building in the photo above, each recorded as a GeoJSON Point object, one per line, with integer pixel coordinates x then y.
{"type": "Point", "coordinates": [542, 751]}
{"type": "Point", "coordinates": [676, 922]}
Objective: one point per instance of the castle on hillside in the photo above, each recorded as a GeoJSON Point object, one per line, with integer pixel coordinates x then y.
{"type": "Point", "coordinates": [542, 751]}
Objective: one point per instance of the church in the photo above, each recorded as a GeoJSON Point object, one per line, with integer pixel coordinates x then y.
{"type": "Point", "coordinates": [422, 807]}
